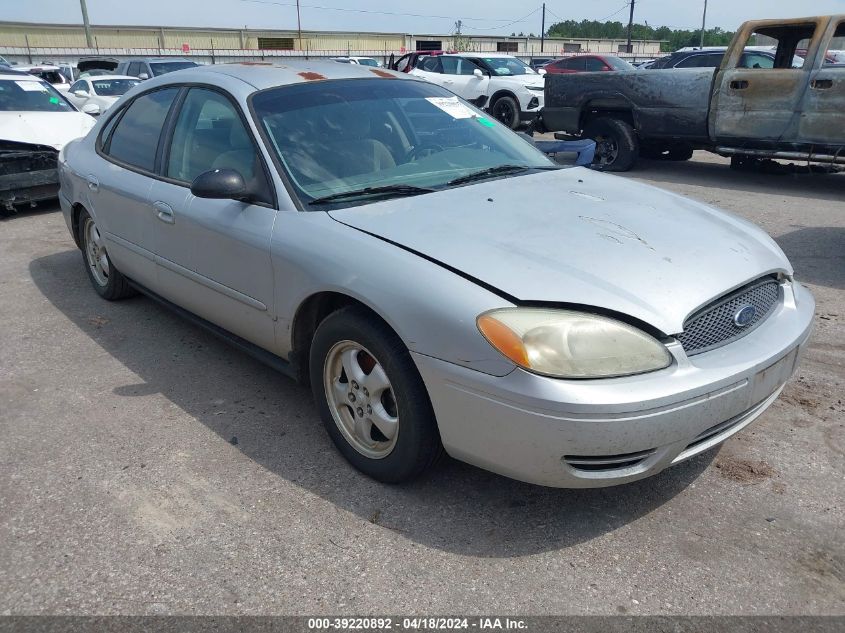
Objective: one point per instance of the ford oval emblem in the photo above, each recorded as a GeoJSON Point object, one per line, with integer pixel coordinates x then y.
{"type": "Point", "coordinates": [745, 315]}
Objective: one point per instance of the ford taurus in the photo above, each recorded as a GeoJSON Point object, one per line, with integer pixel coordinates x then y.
{"type": "Point", "coordinates": [440, 283]}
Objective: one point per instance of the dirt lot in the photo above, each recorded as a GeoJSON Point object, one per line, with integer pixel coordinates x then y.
{"type": "Point", "coordinates": [147, 468]}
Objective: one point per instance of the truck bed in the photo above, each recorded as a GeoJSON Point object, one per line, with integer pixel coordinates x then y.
{"type": "Point", "coordinates": [667, 103]}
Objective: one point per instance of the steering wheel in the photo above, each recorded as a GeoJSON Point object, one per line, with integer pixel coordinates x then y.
{"type": "Point", "coordinates": [421, 151]}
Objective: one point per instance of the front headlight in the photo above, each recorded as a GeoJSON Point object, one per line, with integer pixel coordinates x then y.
{"type": "Point", "coordinates": [569, 344]}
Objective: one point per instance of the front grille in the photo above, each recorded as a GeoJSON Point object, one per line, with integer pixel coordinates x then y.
{"type": "Point", "coordinates": [597, 463]}
{"type": "Point", "coordinates": [714, 325]}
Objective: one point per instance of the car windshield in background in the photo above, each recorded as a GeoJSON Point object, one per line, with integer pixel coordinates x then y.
{"type": "Point", "coordinates": [162, 68]}
{"type": "Point", "coordinates": [617, 63]}
{"type": "Point", "coordinates": [366, 61]}
{"type": "Point", "coordinates": [505, 66]}
{"type": "Point", "coordinates": [113, 87]}
{"type": "Point", "coordinates": [31, 95]}
{"type": "Point", "coordinates": [337, 137]}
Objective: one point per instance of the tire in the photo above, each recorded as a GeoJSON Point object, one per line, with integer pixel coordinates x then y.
{"type": "Point", "coordinates": [106, 279]}
{"type": "Point", "coordinates": [355, 405]}
{"type": "Point", "coordinates": [506, 110]}
{"type": "Point", "coordinates": [617, 146]}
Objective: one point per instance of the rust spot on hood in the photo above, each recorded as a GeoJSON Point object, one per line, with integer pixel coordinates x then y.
{"type": "Point", "coordinates": [311, 76]}
{"type": "Point", "coordinates": [383, 73]}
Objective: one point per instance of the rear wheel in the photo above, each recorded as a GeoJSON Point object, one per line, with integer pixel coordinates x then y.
{"type": "Point", "coordinates": [106, 279]}
{"type": "Point", "coordinates": [371, 398]}
{"type": "Point", "coordinates": [506, 110]}
{"type": "Point", "coordinates": [617, 146]}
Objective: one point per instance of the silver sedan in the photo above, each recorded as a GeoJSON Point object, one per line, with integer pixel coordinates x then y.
{"type": "Point", "coordinates": [440, 283]}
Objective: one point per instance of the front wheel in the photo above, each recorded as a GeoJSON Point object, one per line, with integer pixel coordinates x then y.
{"type": "Point", "coordinates": [371, 398]}
{"type": "Point", "coordinates": [617, 146]}
{"type": "Point", "coordinates": [506, 110]}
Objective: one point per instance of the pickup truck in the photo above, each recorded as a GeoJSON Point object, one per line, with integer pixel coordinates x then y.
{"type": "Point", "coordinates": [742, 110]}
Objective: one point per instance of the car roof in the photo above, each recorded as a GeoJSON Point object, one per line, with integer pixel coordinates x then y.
{"type": "Point", "coordinates": [157, 59]}
{"type": "Point", "coordinates": [107, 77]}
{"type": "Point", "coordinates": [472, 54]}
{"type": "Point", "coordinates": [28, 67]}
{"type": "Point", "coordinates": [263, 75]}
{"type": "Point", "coordinates": [9, 73]}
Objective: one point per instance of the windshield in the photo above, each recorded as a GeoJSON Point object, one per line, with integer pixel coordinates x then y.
{"type": "Point", "coordinates": [367, 61]}
{"type": "Point", "coordinates": [617, 63]}
{"type": "Point", "coordinates": [506, 66]}
{"type": "Point", "coordinates": [113, 87]}
{"type": "Point", "coordinates": [31, 95]}
{"type": "Point", "coordinates": [333, 137]}
{"type": "Point", "coordinates": [162, 68]}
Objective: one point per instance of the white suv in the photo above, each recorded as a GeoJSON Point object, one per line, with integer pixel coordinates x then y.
{"type": "Point", "coordinates": [509, 88]}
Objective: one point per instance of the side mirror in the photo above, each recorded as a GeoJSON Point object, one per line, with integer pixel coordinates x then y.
{"type": "Point", "coordinates": [477, 72]}
{"type": "Point", "coordinates": [143, 76]}
{"type": "Point", "coordinates": [82, 94]}
{"type": "Point", "coordinates": [542, 71]}
{"type": "Point", "coordinates": [220, 184]}
{"type": "Point", "coordinates": [91, 108]}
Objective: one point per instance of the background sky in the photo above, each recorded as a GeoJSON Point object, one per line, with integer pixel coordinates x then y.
{"type": "Point", "coordinates": [430, 16]}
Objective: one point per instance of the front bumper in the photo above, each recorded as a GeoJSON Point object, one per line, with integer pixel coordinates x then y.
{"type": "Point", "coordinates": [592, 433]}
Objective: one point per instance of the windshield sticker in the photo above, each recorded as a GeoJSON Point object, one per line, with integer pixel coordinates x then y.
{"type": "Point", "coordinates": [54, 100]}
{"type": "Point", "coordinates": [32, 86]}
{"type": "Point", "coordinates": [485, 122]}
{"type": "Point", "coordinates": [452, 107]}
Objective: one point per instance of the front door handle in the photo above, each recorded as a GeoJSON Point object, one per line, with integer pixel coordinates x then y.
{"type": "Point", "coordinates": [822, 84]}
{"type": "Point", "coordinates": [164, 212]}
{"type": "Point", "coordinates": [740, 84]}
{"type": "Point", "coordinates": [93, 184]}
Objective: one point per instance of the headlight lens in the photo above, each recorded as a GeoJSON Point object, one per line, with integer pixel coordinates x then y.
{"type": "Point", "coordinates": [569, 344]}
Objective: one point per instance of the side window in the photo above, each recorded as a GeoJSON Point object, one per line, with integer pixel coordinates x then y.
{"type": "Point", "coordinates": [449, 65]}
{"type": "Point", "coordinates": [430, 65]}
{"type": "Point", "coordinates": [403, 62]}
{"type": "Point", "coordinates": [79, 85]}
{"type": "Point", "coordinates": [594, 64]}
{"type": "Point", "coordinates": [575, 63]}
{"type": "Point", "coordinates": [787, 42]}
{"type": "Point", "coordinates": [134, 69]}
{"type": "Point", "coordinates": [693, 61]}
{"type": "Point", "coordinates": [209, 134]}
{"type": "Point", "coordinates": [135, 139]}
{"type": "Point", "coordinates": [466, 67]}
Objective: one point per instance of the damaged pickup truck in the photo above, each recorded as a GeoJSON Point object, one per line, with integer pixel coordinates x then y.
{"type": "Point", "coordinates": [36, 121]}
{"type": "Point", "coordinates": [748, 111]}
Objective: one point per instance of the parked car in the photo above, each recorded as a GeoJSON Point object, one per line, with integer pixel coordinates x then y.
{"type": "Point", "coordinates": [595, 336]}
{"type": "Point", "coordinates": [102, 91]}
{"type": "Point", "coordinates": [96, 66]}
{"type": "Point", "coordinates": [50, 73]}
{"type": "Point", "coordinates": [36, 122]}
{"type": "Point", "coordinates": [712, 58]}
{"type": "Point", "coordinates": [538, 62]}
{"type": "Point", "coordinates": [587, 63]}
{"type": "Point", "coordinates": [757, 105]}
{"type": "Point", "coordinates": [363, 61]}
{"type": "Point", "coordinates": [147, 67]}
{"type": "Point", "coordinates": [407, 62]}
{"type": "Point", "coordinates": [98, 72]}
{"type": "Point", "coordinates": [506, 86]}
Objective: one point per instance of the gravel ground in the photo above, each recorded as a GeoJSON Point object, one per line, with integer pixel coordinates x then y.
{"type": "Point", "coordinates": [147, 468]}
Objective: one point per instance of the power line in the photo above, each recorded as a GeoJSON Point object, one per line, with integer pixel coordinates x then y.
{"type": "Point", "coordinates": [393, 13]}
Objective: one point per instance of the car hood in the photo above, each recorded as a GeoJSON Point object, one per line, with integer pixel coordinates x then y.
{"type": "Point", "coordinates": [580, 237]}
{"type": "Point", "coordinates": [55, 129]}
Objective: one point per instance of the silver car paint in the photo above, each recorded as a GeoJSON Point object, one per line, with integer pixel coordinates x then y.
{"type": "Point", "coordinates": [583, 238]}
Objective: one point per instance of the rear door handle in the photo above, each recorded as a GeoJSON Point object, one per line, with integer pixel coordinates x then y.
{"type": "Point", "coordinates": [93, 184]}
{"type": "Point", "coordinates": [822, 84]}
{"type": "Point", "coordinates": [164, 212]}
{"type": "Point", "coordinates": [740, 84]}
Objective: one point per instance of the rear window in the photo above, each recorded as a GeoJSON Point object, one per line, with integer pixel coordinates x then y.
{"type": "Point", "coordinates": [31, 95]}
{"type": "Point", "coordinates": [135, 138]}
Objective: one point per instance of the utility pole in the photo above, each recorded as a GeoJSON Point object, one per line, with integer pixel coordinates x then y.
{"type": "Point", "coordinates": [298, 25]}
{"type": "Point", "coordinates": [629, 48]}
{"type": "Point", "coordinates": [543, 29]}
{"type": "Point", "coordinates": [88, 39]}
{"type": "Point", "coordinates": [703, 21]}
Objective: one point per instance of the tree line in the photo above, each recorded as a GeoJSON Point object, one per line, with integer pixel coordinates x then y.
{"type": "Point", "coordinates": [673, 39]}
